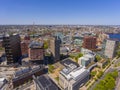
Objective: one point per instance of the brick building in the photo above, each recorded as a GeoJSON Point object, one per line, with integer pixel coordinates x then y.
{"type": "Point", "coordinates": [89, 42]}
{"type": "Point", "coordinates": [24, 45]}
{"type": "Point", "coordinates": [36, 51]}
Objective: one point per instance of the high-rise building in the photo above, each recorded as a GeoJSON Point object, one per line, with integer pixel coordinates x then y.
{"type": "Point", "coordinates": [12, 48]}
{"type": "Point", "coordinates": [36, 51]}
{"type": "Point", "coordinates": [55, 48]}
{"type": "Point", "coordinates": [89, 42]}
{"type": "Point", "coordinates": [111, 46]}
{"type": "Point", "coordinates": [24, 45]}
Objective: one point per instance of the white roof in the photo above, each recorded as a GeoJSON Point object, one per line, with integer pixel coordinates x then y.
{"type": "Point", "coordinates": [14, 33]}
{"type": "Point", "coordinates": [85, 58]}
{"type": "Point", "coordinates": [74, 74]}
{"type": "Point", "coordinates": [89, 56]}
{"type": "Point", "coordinates": [7, 35]}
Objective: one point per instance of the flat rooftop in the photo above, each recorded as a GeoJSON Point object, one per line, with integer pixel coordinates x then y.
{"type": "Point", "coordinates": [74, 74]}
{"type": "Point", "coordinates": [69, 63]}
{"type": "Point", "coordinates": [45, 83]}
{"type": "Point", "coordinates": [21, 72]}
{"type": "Point", "coordinates": [84, 58]}
{"type": "Point", "coordinates": [36, 44]}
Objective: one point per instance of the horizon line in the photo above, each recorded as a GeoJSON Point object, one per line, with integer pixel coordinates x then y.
{"type": "Point", "coordinates": [68, 24]}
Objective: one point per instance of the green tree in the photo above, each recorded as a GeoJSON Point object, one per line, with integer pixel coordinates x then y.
{"type": "Point", "coordinates": [80, 55]}
{"type": "Point", "coordinates": [100, 74]}
{"type": "Point", "coordinates": [98, 57]}
{"type": "Point", "coordinates": [51, 68]}
{"type": "Point", "coordinates": [114, 74]}
{"type": "Point", "coordinates": [76, 59]}
{"type": "Point", "coordinates": [118, 53]}
{"type": "Point", "coordinates": [93, 73]}
{"type": "Point", "coordinates": [72, 56]}
{"type": "Point", "coordinates": [45, 44]}
{"type": "Point", "coordinates": [108, 83]}
{"type": "Point", "coordinates": [57, 78]}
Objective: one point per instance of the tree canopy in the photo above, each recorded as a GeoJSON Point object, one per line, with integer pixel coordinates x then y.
{"type": "Point", "coordinates": [108, 83]}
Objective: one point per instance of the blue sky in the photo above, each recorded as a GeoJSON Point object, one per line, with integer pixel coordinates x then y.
{"type": "Point", "coordinates": [102, 12]}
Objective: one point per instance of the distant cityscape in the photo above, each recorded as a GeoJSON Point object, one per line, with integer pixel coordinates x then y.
{"type": "Point", "coordinates": [59, 57]}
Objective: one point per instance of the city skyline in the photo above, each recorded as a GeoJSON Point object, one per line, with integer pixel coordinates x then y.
{"type": "Point", "coordinates": [91, 12]}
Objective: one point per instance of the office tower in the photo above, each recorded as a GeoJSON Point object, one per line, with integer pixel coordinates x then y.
{"type": "Point", "coordinates": [24, 45]}
{"type": "Point", "coordinates": [12, 48]}
{"type": "Point", "coordinates": [110, 48]}
{"type": "Point", "coordinates": [89, 42]}
{"type": "Point", "coordinates": [36, 51]}
{"type": "Point", "coordinates": [55, 48]}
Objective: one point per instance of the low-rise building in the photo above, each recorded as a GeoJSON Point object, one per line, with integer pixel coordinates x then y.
{"type": "Point", "coordinates": [25, 75]}
{"type": "Point", "coordinates": [86, 59]}
{"type": "Point", "coordinates": [43, 82]}
{"type": "Point", "coordinates": [85, 51]}
{"type": "Point", "coordinates": [73, 79]}
{"type": "Point", "coordinates": [68, 63]}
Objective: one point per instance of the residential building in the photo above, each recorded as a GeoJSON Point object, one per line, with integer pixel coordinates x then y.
{"type": "Point", "coordinates": [73, 79]}
{"type": "Point", "coordinates": [43, 82]}
{"type": "Point", "coordinates": [55, 48]}
{"type": "Point", "coordinates": [12, 48]}
{"type": "Point", "coordinates": [24, 45]}
{"type": "Point", "coordinates": [36, 51]}
{"type": "Point", "coordinates": [111, 47]}
{"type": "Point", "coordinates": [89, 42]}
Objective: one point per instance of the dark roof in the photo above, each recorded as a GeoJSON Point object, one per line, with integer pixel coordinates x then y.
{"type": "Point", "coordinates": [26, 73]}
{"type": "Point", "coordinates": [45, 83]}
{"type": "Point", "coordinates": [68, 62]}
{"type": "Point", "coordinates": [23, 71]}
